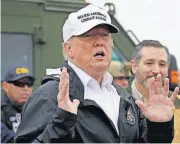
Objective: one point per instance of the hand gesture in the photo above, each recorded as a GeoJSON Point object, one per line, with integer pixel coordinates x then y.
{"type": "Point", "coordinates": [159, 107]}
{"type": "Point", "coordinates": [63, 96]}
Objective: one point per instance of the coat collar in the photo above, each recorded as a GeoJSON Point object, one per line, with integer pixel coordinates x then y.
{"type": "Point", "coordinates": [75, 85]}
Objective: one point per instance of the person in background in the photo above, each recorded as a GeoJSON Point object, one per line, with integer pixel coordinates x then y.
{"type": "Point", "coordinates": [151, 58]}
{"type": "Point", "coordinates": [82, 104]}
{"type": "Point", "coordinates": [121, 73]}
{"type": "Point", "coordinates": [16, 89]}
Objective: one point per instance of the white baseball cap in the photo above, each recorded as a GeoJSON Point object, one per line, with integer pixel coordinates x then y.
{"type": "Point", "coordinates": [85, 19]}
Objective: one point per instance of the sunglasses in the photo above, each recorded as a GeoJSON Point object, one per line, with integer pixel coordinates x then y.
{"type": "Point", "coordinates": [22, 83]}
{"type": "Point", "coordinates": [122, 78]}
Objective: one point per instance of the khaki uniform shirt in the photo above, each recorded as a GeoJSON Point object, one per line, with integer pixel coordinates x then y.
{"type": "Point", "coordinates": [176, 126]}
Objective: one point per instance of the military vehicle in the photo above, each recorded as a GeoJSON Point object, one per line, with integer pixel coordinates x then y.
{"type": "Point", "coordinates": [31, 33]}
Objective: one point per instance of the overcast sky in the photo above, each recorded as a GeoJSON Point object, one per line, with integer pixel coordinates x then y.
{"type": "Point", "coordinates": [150, 19]}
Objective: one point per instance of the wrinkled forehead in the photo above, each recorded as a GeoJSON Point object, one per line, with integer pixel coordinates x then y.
{"type": "Point", "coordinates": [148, 53]}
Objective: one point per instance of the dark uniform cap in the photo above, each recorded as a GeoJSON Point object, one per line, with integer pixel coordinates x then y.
{"type": "Point", "coordinates": [18, 72]}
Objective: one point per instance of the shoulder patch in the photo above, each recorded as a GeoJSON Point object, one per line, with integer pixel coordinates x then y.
{"type": "Point", "coordinates": [130, 117]}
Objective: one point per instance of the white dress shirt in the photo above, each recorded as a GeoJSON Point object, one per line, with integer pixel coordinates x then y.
{"type": "Point", "coordinates": [105, 95]}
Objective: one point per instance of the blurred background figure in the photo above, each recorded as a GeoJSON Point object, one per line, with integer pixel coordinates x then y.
{"type": "Point", "coordinates": [16, 90]}
{"type": "Point", "coordinates": [120, 72]}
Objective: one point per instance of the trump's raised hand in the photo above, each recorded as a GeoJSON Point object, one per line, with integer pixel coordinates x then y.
{"type": "Point", "coordinates": [63, 96]}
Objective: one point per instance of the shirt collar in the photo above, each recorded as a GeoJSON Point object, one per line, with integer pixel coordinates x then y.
{"type": "Point", "coordinates": [136, 93]}
{"type": "Point", "coordinates": [85, 78]}
{"type": "Point", "coordinates": [107, 79]}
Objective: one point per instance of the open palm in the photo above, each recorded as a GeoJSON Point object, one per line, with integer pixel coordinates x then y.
{"type": "Point", "coordinates": [159, 107]}
{"type": "Point", "coordinates": [63, 96]}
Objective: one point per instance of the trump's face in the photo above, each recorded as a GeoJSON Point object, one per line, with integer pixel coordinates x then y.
{"type": "Point", "coordinates": [91, 51]}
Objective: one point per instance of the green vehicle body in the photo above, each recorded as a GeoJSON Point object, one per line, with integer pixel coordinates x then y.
{"type": "Point", "coordinates": [26, 16]}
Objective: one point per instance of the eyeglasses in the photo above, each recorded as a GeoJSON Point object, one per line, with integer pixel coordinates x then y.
{"type": "Point", "coordinates": [22, 84]}
{"type": "Point", "coordinates": [92, 36]}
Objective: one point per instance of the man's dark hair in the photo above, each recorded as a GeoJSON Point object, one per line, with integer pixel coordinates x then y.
{"type": "Point", "coordinates": [148, 43]}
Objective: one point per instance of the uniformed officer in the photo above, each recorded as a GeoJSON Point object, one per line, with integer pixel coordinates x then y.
{"type": "Point", "coordinates": [17, 88]}
{"type": "Point", "coordinates": [120, 72]}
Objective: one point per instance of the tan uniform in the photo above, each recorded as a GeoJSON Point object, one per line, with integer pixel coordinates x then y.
{"type": "Point", "coordinates": [118, 69]}
{"type": "Point", "coordinates": [177, 124]}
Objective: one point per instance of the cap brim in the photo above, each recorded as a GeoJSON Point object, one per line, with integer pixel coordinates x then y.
{"type": "Point", "coordinates": [22, 76]}
{"type": "Point", "coordinates": [112, 28]}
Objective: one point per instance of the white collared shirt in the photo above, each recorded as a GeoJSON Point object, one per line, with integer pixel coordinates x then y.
{"type": "Point", "coordinates": [136, 94]}
{"type": "Point", "coordinates": [105, 95]}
